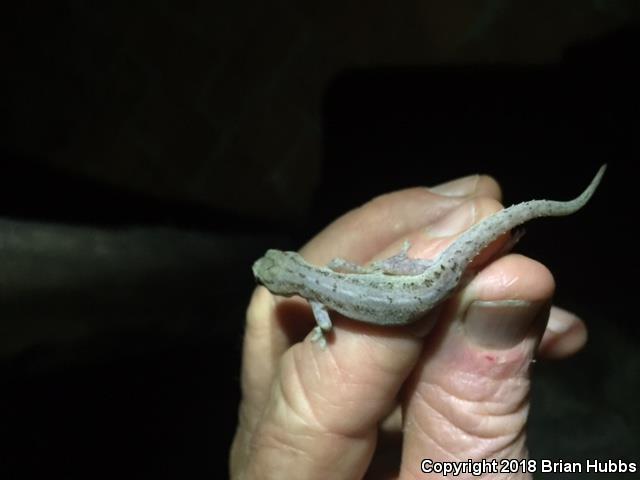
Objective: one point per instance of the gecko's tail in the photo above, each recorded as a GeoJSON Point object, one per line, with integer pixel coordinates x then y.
{"type": "Point", "coordinates": [554, 208]}
{"type": "Point", "coordinates": [584, 197]}
{"type": "Point", "coordinates": [522, 212]}
{"type": "Point", "coordinates": [471, 242]}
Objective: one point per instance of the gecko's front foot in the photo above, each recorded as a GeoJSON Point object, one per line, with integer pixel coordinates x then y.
{"type": "Point", "coordinates": [323, 320]}
{"type": "Point", "coordinates": [317, 336]}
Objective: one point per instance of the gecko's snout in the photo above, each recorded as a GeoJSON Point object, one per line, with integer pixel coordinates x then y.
{"type": "Point", "coordinates": [257, 266]}
{"type": "Point", "coordinates": [262, 269]}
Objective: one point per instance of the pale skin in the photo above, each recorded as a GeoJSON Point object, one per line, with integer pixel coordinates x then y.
{"type": "Point", "coordinates": [379, 400]}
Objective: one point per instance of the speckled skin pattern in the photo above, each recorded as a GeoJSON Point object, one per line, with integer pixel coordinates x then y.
{"type": "Point", "coordinates": [381, 294]}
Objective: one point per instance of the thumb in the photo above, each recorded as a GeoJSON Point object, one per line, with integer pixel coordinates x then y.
{"type": "Point", "coordinates": [468, 399]}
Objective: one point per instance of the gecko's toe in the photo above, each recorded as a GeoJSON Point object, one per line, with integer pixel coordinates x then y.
{"type": "Point", "coordinates": [317, 336]}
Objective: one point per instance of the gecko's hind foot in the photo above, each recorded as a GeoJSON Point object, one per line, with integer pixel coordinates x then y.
{"type": "Point", "coordinates": [401, 264]}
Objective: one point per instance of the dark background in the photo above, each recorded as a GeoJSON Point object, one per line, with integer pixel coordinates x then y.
{"type": "Point", "coordinates": [151, 154]}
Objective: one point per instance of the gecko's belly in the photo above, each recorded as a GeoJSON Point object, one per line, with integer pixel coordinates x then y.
{"type": "Point", "coordinates": [386, 310]}
{"type": "Point", "coordinates": [379, 299]}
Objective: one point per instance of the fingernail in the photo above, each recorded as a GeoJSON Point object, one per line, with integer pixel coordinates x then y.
{"type": "Point", "coordinates": [561, 320]}
{"type": "Point", "coordinates": [460, 187]}
{"type": "Point", "coordinates": [501, 324]}
{"type": "Point", "coordinates": [454, 222]}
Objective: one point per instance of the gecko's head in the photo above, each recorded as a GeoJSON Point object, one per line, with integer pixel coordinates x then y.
{"type": "Point", "coordinates": [266, 270]}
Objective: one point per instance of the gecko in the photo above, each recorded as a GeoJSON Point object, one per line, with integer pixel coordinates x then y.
{"type": "Point", "coordinates": [398, 290]}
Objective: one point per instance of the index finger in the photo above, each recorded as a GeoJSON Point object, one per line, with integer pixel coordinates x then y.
{"type": "Point", "coordinates": [364, 231]}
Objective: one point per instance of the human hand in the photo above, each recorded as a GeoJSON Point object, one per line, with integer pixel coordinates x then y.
{"type": "Point", "coordinates": [381, 399]}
